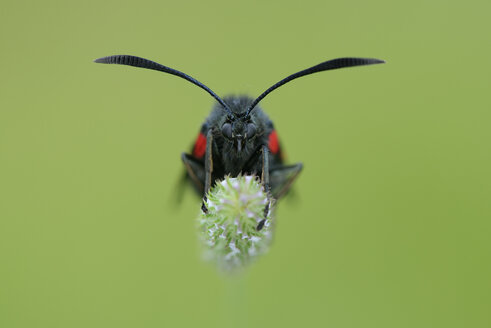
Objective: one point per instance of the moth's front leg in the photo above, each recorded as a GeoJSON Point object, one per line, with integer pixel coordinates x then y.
{"type": "Point", "coordinates": [265, 182]}
{"type": "Point", "coordinates": [208, 167]}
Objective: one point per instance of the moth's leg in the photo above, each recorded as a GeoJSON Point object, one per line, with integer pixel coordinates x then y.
{"type": "Point", "coordinates": [265, 182]}
{"type": "Point", "coordinates": [208, 161]}
{"type": "Point", "coordinates": [265, 169]}
{"type": "Point", "coordinates": [208, 167]}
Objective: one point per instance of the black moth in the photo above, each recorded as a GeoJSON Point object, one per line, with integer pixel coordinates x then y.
{"type": "Point", "coordinates": [238, 137]}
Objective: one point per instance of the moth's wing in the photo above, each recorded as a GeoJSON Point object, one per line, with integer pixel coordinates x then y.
{"type": "Point", "coordinates": [179, 187]}
{"type": "Point", "coordinates": [281, 178]}
{"type": "Point", "coordinates": [195, 171]}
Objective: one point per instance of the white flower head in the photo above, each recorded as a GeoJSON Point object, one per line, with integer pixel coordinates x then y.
{"type": "Point", "coordinates": [229, 228]}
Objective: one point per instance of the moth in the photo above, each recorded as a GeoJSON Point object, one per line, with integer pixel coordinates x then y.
{"type": "Point", "coordinates": [238, 137]}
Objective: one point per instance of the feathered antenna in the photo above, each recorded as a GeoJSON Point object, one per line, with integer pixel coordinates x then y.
{"type": "Point", "coordinates": [145, 63]}
{"type": "Point", "coordinates": [325, 66]}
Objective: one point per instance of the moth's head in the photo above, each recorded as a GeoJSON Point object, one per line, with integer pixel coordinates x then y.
{"type": "Point", "coordinates": [239, 131]}
{"type": "Point", "coordinates": [239, 127]}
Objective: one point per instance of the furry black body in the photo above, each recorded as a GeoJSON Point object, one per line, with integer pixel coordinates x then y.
{"type": "Point", "coordinates": [241, 143]}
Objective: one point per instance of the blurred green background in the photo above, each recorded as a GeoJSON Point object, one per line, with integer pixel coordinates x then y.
{"type": "Point", "coordinates": [390, 223]}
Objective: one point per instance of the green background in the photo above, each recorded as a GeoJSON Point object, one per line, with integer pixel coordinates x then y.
{"type": "Point", "coordinates": [389, 226]}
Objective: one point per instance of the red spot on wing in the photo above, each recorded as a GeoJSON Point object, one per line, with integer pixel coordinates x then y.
{"type": "Point", "coordinates": [273, 143]}
{"type": "Point", "coordinates": [199, 146]}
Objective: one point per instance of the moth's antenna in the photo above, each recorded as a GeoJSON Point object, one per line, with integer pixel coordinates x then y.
{"type": "Point", "coordinates": [325, 66]}
{"type": "Point", "coordinates": [145, 63]}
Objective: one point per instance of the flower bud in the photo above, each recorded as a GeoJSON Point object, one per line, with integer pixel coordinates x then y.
{"type": "Point", "coordinates": [238, 224]}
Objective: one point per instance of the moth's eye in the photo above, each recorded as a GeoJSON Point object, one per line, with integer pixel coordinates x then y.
{"type": "Point", "coordinates": [227, 130]}
{"type": "Point", "coordinates": [251, 130]}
